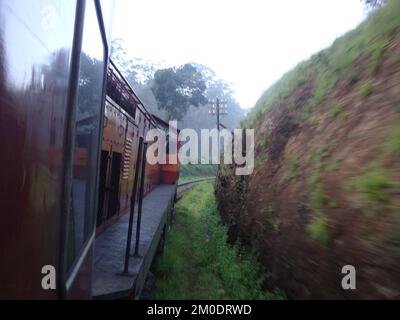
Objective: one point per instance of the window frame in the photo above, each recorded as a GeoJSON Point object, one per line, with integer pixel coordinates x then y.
{"type": "Point", "coordinates": [68, 275]}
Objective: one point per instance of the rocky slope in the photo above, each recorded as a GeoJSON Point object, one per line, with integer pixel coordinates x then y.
{"type": "Point", "coordinates": [326, 188]}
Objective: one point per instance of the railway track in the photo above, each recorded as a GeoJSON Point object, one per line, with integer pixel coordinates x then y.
{"type": "Point", "coordinates": [183, 187]}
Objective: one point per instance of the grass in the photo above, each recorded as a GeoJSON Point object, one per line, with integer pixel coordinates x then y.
{"type": "Point", "coordinates": [372, 187]}
{"type": "Point", "coordinates": [318, 199]}
{"type": "Point", "coordinates": [275, 223]}
{"type": "Point", "coordinates": [370, 41]}
{"type": "Point", "coordinates": [314, 177]}
{"type": "Point", "coordinates": [318, 230]}
{"type": "Point", "coordinates": [393, 144]}
{"type": "Point", "coordinates": [318, 227]}
{"type": "Point", "coordinates": [325, 81]}
{"type": "Point", "coordinates": [263, 142]}
{"type": "Point", "coordinates": [269, 210]}
{"type": "Point", "coordinates": [367, 88]}
{"type": "Point", "coordinates": [258, 162]}
{"type": "Point", "coordinates": [191, 172]}
{"type": "Point", "coordinates": [377, 51]}
{"type": "Point", "coordinates": [336, 109]}
{"type": "Point", "coordinates": [191, 178]}
{"type": "Point", "coordinates": [198, 263]}
{"type": "Point", "coordinates": [292, 166]}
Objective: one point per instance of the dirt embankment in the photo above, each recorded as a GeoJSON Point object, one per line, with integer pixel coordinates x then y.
{"type": "Point", "coordinates": [326, 188]}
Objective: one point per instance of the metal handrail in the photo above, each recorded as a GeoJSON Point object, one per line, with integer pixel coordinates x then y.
{"type": "Point", "coordinates": [141, 105]}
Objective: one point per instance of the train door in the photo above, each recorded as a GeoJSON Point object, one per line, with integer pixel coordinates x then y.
{"type": "Point", "coordinates": [128, 166]}
{"type": "Point", "coordinates": [114, 135]}
{"type": "Point", "coordinates": [113, 187]}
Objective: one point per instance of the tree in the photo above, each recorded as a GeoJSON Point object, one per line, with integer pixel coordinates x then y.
{"type": "Point", "coordinates": [176, 89]}
{"type": "Point", "coordinates": [371, 4]}
{"type": "Point", "coordinates": [199, 118]}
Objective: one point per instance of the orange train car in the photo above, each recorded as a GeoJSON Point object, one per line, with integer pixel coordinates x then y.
{"type": "Point", "coordinates": [125, 120]}
{"type": "Point", "coordinates": [69, 131]}
{"type": "Point", "coordinates": [170, 170]}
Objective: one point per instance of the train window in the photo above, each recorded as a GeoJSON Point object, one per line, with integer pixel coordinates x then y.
{"type": "Point", "coordinates": [88, 113]}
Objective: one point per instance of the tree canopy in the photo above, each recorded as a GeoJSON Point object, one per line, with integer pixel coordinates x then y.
{"type": "Point", "coordinates": [373, 3]}
{"type": "Point", "coordinates": [176, 89]}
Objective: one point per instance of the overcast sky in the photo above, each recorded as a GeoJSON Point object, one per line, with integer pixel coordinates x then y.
{"type": "Point", "coordinates": [250, 43]}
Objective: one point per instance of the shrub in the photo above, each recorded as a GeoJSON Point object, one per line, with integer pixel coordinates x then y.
{"type": "Point", "coordinates": [275, 223]}
{"type": "Point", "coordinates": [336, 109]}
{"type": "Point", "coordinates": [367, 88]}
{"type": "Point", "coordinates": [263, 142]}
{"type": "Point", "coordinates": [258, 162]}
{"type": "Point", "coordinates": [318, 199]}
{"type": "Point", "coordinates": [318, 230]}
{"type": "Point", "coordinates": [292, 166]}
{"type": "Point", "coordinates": [393, 144]}
{"type": "Point", "coordinates": [372, 187]}
{"type": "Point", "coordinates": [377, 50]}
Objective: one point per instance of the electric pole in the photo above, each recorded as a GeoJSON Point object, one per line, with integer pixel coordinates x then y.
{"type": "Point", "coordinates": [219, 108]}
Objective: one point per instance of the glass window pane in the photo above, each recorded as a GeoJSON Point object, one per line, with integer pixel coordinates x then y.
{"type": "Point", "coordinates": [86, 140]}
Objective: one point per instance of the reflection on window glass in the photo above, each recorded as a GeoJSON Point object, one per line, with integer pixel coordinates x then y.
{"type": "Point", "coordinates": [87, 130]}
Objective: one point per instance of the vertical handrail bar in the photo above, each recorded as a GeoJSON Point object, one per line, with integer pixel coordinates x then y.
{"type": "Point", "coordinates": [139, 218]}
{"type": "Point", "coordinates": [132, 209]}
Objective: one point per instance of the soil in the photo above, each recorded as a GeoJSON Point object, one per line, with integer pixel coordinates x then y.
{"type": "Point", "coordinates": [335, 149]}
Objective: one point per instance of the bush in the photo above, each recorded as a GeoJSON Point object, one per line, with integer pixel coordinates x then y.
{"type": "Point", "coordinates": [292, 166]}
{"type": "Point", "coordinates": [393, 144]}
{"type": "Point", "coordinates": [263, 142]}
{"type": "Point", "coordinates": [372, 187]}
{"type": "Point", "coordinates": [367, 88]}
{"type": "Point", "coordinates": [318, 230]}
{"type": "Point", "coordinates": [336, 109]}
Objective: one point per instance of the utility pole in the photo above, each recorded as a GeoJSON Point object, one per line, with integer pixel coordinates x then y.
{"type": "Point", "coordinates": [218, 109]}
{"type": "Point", "coordinates": [218, 114]}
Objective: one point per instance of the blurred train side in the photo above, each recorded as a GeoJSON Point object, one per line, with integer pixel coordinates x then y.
{"type": "Point", "coordinates": [61, 181]}
{"type": "Point", "coordinates": [125, 120]}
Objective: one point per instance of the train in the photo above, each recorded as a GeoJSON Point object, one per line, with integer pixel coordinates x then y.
{"type": "Point", "coordinates": [71, 128]}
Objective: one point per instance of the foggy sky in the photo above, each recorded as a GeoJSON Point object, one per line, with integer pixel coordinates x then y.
{"type": "Point", "coordinates": [250, 43]}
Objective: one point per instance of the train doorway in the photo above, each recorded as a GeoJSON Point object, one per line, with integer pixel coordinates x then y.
{"type": "Point", "coordinates": [109, 189]}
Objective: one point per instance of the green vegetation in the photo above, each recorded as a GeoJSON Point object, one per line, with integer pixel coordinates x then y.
{"type": "Point", "coordinates": [318, 199]}
{"type": "Point", "coordinates": [176, 89]}
{"type": "Point", "coordinates": [292, 167]}
{"type": "Point", "coordinates": [393, 144]}
{"type": "Point", "coordinates": [370, 40]}
{"type": "Point", "coordinates": [198, 263]}
{"type": "Point", "coordinates": [367, 88]}
{"type": "Point", "coordinates": [336, 109]}
{"type": "Point", "coordinates": [263, 142]}
{"type": "Point", "coordinates": [258, 162]}
{"type": "Point", "coordinates": [377, 51]}
{"type": "Point", "coordinates": [321, 153]}
{"type": "Point", "coordinates": [318, 230]}
{"type": "Point", "coordinates": [325, 81]}
{"type": "Point", "coordinates": [275, 223]}
{"type": "Point", "coordinates": [318, 227]}
{"type": "Point", "coordinates": [373, 188]}
{"type": "Point", "coordinates": [190, 172]}
{"type": "Point", "coordinates": [269, 210]}
{"type": "Point", "coordinates": [333, 166]}
{"type": "Point", "coordinates": [313, 179]}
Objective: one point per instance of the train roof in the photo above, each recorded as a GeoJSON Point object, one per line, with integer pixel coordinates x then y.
{"type": "Point", "coordinates": [119, 89]}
